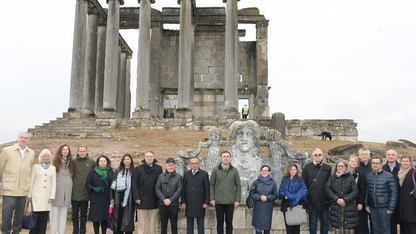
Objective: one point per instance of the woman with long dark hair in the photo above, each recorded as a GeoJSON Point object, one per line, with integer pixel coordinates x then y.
{"type": "Point", "coordinates": [292, 192]}
{"type": "Point", "coordinates": [64, 170]}
{"type": "Point", "coordinates": [99, 183]}
{"type": "Point", "coordinates": [122, 197]}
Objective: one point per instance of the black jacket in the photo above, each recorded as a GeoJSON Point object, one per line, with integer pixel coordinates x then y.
{"type": "Point", "coordinates": [407, 201]}
{"type": "Point", "coordinates": [316, 190]}
{"type": "Point", "coordinates": [143, 185]}
{"type": "Point", "coordinates": [381, 190]}
{"type": "Point", "coordinates": [127, 223]}
{"type": "Point", "coordinates": [343, 187]}
{"type": "Point", "coordinates": [169, 185]}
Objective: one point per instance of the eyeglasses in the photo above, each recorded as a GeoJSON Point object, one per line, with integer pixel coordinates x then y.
{"type": "Point", "coordinates": [340, 166]}
{"type": "Point", "coordinates": [317, 155]}
{"type": "Point", "coordinates": [375, 163]}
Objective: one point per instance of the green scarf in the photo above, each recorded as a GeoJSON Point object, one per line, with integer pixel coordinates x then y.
{"type": "Point", "coordinates": [102, 171]}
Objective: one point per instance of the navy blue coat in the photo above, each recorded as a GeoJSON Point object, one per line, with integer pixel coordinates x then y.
{"type": "Point", "coordinates": [99, 202]}
{"type": "Point", "coordinates": [262, 211]}
{"type": "Point", "coordinates": [195, 192]}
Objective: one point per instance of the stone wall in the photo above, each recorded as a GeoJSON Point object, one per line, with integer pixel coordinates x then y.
{"type": "Point", "coordinates": [241, 222]}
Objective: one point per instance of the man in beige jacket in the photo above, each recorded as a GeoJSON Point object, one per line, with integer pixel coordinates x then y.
{"type": "Point", "coordinates": [15, 165]}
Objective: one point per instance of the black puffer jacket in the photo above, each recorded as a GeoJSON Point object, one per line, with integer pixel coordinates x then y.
{"type": "Point", "coordinates": [169, 185]}
{"type": "Point", "coordinates": [381, 190]}
{"type": "Point", "coordinates": [343, 187]}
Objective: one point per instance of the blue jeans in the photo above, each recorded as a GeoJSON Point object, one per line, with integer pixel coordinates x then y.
{"type": "Point", "coordinates": [77, 227]}
{"type": "Point", "coordinates": [380, 220]}
{"type": "Point", "coordinates": [13, 209]}
{"type": "Point", "coordinates": [313, 221]}
{"type": "Point", "coordinates": [190, 224]}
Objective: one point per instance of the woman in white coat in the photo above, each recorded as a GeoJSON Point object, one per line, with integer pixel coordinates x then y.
{"type": "Point", "coordinates": [42, 190]}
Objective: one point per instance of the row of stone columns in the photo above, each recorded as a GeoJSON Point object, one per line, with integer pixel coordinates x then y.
{"type": "Point", "coordinates": [100, 80]}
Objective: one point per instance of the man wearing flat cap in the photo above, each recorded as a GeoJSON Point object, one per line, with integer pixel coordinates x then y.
{"type": "Point", "coordinates": [168, 189]}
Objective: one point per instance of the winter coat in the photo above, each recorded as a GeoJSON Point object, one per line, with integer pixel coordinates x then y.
{"type": "Point", "coordinates": [15, 171]}
{"type": "Point", "coordinates": [407, 201]}
{"type": "Point", "coordinates": [195, 193]}
{"type": "Point", "coordinates": [42, 187]}
{"type": "Point", "coordinates": [381, 190]}
{"type": "Point", "coordinates": [63, 187]}
{"type": "Point", "coordinates": [99, 202]}
{"type": "Point", "coordinates": [317, 198]}
{"type": "Point", "coordinates": [344, 187]}
{"type": "Point", "coordinates": [169, 185]}
{"type": "Point", "coordinates": [292, 192]}
{"type": "Point", "coordinates": [225, 186]}
{"type": "Point", "coordinates": [143, 185]}
{"type": "Point", "coordinates": [364, 169]}
{"type": "Point", "coordinates": [360, 181]}
{"type": "Point", "coordinates": [82, 166]}
{"type": "Point", "coordinates": [262, 211]}
{"type": "Point", "coordinates": [127, 223]}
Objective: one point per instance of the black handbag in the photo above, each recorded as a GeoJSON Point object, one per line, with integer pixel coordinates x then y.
{"type": "Point", "coordinates": [249, 202]}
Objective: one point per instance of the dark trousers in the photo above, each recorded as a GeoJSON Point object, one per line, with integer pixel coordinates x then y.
{"type": "Point", "coordinates": [79, 227]}
{"type": "Point", "coordinates": [295, 229]}
{"type": "Point", "coordinates": [120, 221]}
{"type": "Point", "coordinates": [224, 211]}
{"type": "Point", "coordinates": [97, 225]}
{"type": "Point", "coordinates": [169, 213]}
{"type": "Point", "coordinates": [190, 224]}
{"type": "Point", "coordinates": [380, 220]}
{"type": "Point", "coordinates": [313, 221]}
{"type": "Point", "coordinates": [264, 231]}
{"type": "Point", "coordinates": [13, 209]}
{"type": "Point", "coordinates": [41, 223]}
{"type": "Point", "coordinates": [407, 227]}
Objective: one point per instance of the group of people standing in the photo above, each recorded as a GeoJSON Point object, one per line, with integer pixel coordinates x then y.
{"type": "Point", "coordinates": [361, 195]}
{"type": "Point", "coordinates": [358, 195]}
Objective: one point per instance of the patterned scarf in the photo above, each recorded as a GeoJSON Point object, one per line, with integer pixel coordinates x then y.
{"type": "Point", "coordinates": [45, 165]}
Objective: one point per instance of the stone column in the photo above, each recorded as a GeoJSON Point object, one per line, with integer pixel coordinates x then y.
{"type": "Point", "coordinates": [121, 86]}
{"type": "Point", "coordinates": [78, 56]}
{"type": "Point", "coordinates": [185, 73]}
{"type": "Point", "coordinates": [99, 74]}
{"type": "Point", "coordinates": [111, 60]}
{"type": "Point", "coordinates": [127, 108]}
{"type": "Point", "coordinates": [155, 97]}
{"type": "Point", "coordinates": [90, 63]}
{"type": "Point", "coordinates": [261, 110]}
{"type": "Point", "coordinates": [231, 61]}
{"type": "Point", "coordinates": [143, 61]}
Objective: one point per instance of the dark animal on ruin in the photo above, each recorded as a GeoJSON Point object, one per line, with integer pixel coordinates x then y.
{"type": "Point", "coordinates": [325, 135]}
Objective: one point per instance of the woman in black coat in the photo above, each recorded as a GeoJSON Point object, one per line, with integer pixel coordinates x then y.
{"type": "Point", "coordinates": [353, 163]}
{"type": "Point", "coordinates": [342, 192]}
{"type": "Point", "coordinates": [123, 219]}
{"type": "Point", "coordinates": [98, 183]}
{"type": "Point", "coordinates": [407, 201]}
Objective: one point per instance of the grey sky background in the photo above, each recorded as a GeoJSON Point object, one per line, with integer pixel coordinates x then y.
{"type": "Point", "coordinates": [327, 60]}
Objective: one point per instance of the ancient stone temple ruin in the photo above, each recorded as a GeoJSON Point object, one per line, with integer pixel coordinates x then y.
{"type": "Point", "coordinates": [198, 71]}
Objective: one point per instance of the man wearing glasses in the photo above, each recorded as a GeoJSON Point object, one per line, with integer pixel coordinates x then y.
{"type": "Point", "coordinates": [316, 174]}
{"type": "Point", "coordinates": [381, 196]}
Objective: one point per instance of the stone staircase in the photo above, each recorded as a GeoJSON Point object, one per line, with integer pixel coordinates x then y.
{"type": "Point", "coordinates": [70, 127]}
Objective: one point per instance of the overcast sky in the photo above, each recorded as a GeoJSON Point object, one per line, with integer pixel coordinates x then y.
{"type": "Point", "coordinates": [327, 60]}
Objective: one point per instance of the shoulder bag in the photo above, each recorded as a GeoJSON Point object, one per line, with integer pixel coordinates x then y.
{"type": "Point", "coordinates": [296, 215]}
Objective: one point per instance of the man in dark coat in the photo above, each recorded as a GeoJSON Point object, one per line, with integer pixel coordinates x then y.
{"type": "Point", "coordinates": [316, 175]}
{"type": "Point", "coordinates": [393, 167]}
{"type": "Point", "coordinates": [381, 196]}
{"type": "Point", "coordinates": [169, 189]}
{"type": "Point", "coordinates": [195, 196]}
{"type": "Point", "coordinates": [364, 218]}
{"type": "Point", "coordinates": [144, 180]}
